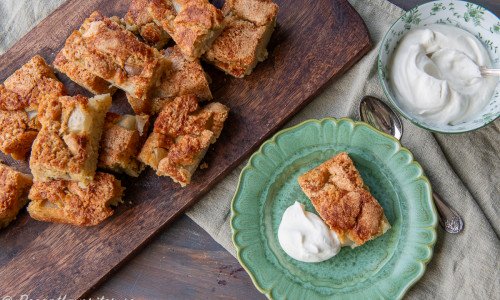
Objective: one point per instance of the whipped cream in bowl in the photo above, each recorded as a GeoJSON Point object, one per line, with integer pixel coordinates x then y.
{"type": "Point", "coordinates": [435, 74]}
{"type": "Point", "coordinates": [430, 68]}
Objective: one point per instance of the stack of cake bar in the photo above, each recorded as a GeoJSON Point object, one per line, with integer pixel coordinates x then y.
{"type": "Point", "coordinates": [153, 54]}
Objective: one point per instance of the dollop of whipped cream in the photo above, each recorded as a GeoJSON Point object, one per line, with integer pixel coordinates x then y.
{"type": "Point", "coordinates": [305, 237]}
{"type": "Point", "coordinates": [435, 73]}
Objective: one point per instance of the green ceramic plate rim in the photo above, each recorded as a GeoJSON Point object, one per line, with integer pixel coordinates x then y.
{"type": "Point", "coordinates": [389, 95]}
{"type": "Point", "coordinates": [430, 245]}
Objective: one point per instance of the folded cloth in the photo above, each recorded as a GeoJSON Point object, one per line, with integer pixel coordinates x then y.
{"type": "Point", "coordinates": [464, 169]}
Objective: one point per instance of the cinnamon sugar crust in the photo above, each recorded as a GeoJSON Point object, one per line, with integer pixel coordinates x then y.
{"type": "Point", "coordinates": [258, 12]}
{"type": "Point", "coordinates": [82, 76]}
{"type": "Point", "coordinates": [14, 188]}
{"type": "Point", "coordinates": [67, 145]}
{"type": "Point", "coordinates": [62, 201]}
{"type": "Point", "coordinates": [192, 24]}
{"type": "Point", "coordinates": [20, 96]}
{"type": "Point", "coordinates": [341, 198]}
{"type": "Point", "coordinates": [242, 44]}
{"type": "Point", "coordinates": [106, 49]}
{"type": "Point", "coordinates": [181, 136]}
{"type": "Point", "coordinates": [139, 21]}
{"type": "Point", "coordinates": [183, 78]}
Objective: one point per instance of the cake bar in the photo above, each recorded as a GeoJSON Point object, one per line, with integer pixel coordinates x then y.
{"type": "Point", "coordinates": [67, 145]}
{"type": "Point", "coordinates": [63, 201]}
{"type": "Point", "coordinates": [19, 98]}
{"type": "Point", "coordinates": [181, 136]}
{"type": "Point", "coordinates": [139, 21]}
{"type": "Point", "coordinates": [82, 76]}
{"type": "Point", "coordinates": [183, 78]}
{"type": "Point", "coordinates": [106, 49]}
{"type": "Point", "coordinates": [14, 188]}
{"type": "Point", "coordinates": [341, 198]}
{"type": "Point", "coordinates": [192, 24]}
{"type": "Point", "coordinates": [121, 142]}
{"type": "Point", "coordinates": [242, 44]}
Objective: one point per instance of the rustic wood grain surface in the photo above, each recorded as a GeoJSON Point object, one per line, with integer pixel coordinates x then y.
{"type": "Point", "coordinates": [184, 262]}
{"type": "Point", "coordinates": [314, 42]}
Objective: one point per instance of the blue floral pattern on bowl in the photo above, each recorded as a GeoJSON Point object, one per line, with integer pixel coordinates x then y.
{"type": "Point", "coordinates": [483, 24]}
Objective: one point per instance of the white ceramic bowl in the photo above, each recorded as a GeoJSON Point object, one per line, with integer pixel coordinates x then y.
{"type": "Point", "coordinates": [483, 24]}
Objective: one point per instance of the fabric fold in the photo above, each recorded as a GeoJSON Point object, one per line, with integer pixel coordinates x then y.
{"type": "Point", "coordinates": [464, 169]}
{"type": "Point", "coordinates": [464, 266]}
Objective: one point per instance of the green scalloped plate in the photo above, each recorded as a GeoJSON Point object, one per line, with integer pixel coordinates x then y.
{"type": "Point", "coordinates": [383, 268]}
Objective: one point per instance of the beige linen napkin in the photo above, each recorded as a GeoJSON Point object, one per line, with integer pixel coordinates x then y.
{"type": "Point", "coordinates": [464, 169]}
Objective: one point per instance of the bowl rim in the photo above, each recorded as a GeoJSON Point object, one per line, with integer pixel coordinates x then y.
{"type": "Point", "coordinates": [393, 103]}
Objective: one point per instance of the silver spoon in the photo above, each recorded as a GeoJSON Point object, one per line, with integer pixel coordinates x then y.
{"type": "Point", "coordinates": [378, 114]}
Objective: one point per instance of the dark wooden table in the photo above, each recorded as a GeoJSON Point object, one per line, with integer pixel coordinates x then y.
{"type": "Point", "coordinates": [184, 262]}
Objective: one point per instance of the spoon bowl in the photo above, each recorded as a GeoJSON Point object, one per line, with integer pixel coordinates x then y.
{"type": "Point", "coordinates": [380, 115]}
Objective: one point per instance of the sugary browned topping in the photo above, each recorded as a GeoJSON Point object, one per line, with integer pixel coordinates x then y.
{"type": "Point", "coordinates": [183, 116]}
{"type": "Point", "coordinates": [259, 12]}
{"type": "Point", "coordinates": [67, 145]}
{"type": "Point", "coordinates": [46, 88]}
{"type": "Point", "coordinates": [138, 14]}
{"type": "Point", "coordinates": [242, 44]}
{"type": "Point", "coordinates": [19, 98]}
{"type": "Point", "coordinates": [154, 35]}
{"type": "Point", "coordinates": [121, 141]}
{"type": "Point", "coordinates": [338, 171]}
{"type": "Point", "coordinates": [24, 80]}
{"type": "Point", "coordinates": [27, 85]}
{"type": "Point", "coordinates": [182, 134]}
{"type": "Point", "coordinates": [82, 76]}
{"type": "Point", "coordinates": [16, 135]}
{"type": "Point", "coordinates": [183, 78]}
{"type": "Point", "coordinates": [192, 24]}
{"type": "Point", "coordinates": [235, 50]}
{"type": "Point", "coordinates": [139, 20]}
{"type": "Point", "coordinates": [12, 101]}
{"type": "Point", "coordinates": [14, 187]}
{"type": "Point", "coordinates": [163, 13]}
{"type": "Point", "coordinates": [51, 151]}
{"type": "Point", "coordinates": [106, 49]}
{"type": "Point", "coordinates": [68, 202]}
{"type": "Point", "coordinates": [184, 156]}
{"type": "Point", "coordinates": [340, 197]}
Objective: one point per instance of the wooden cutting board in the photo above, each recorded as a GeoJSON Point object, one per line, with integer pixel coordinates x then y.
{"type": "Point", "coordinates": [314, 42]}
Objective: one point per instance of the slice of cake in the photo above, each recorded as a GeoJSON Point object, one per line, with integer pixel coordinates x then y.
{"type": "Point", "coordinates": [82, 76]}
{"type": "Point", "coordinates": [183, 78]}
{"type": "Point", "coordinates": [19, 98]}
{"type": "Point", "coordinates": [192, 24]}
{"type": "Point", "coordinates": [139, 21]}
{"type": "Point", "coordinates": [341, 198]}
{"type": "Point", "coordinates": [121, 142]}
{"type": "Point", "coordinates": [181, 136]}
{"type": "Point", "coordinates": [14, 188]}
{"type": "Point", "coordinates": [63, 201]}
{"type": "Point", "coordinates": [67, 145]}
{"type": "Point", "coordinates": [106, 49]}
{"type": "Point", "coordinates": [242, 44]}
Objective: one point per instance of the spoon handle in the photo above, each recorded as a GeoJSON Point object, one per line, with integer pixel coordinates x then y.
{"type": "Point", "coordinates": [449, 219]}
{"type": "Point", "coordinates": [490, 72]}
